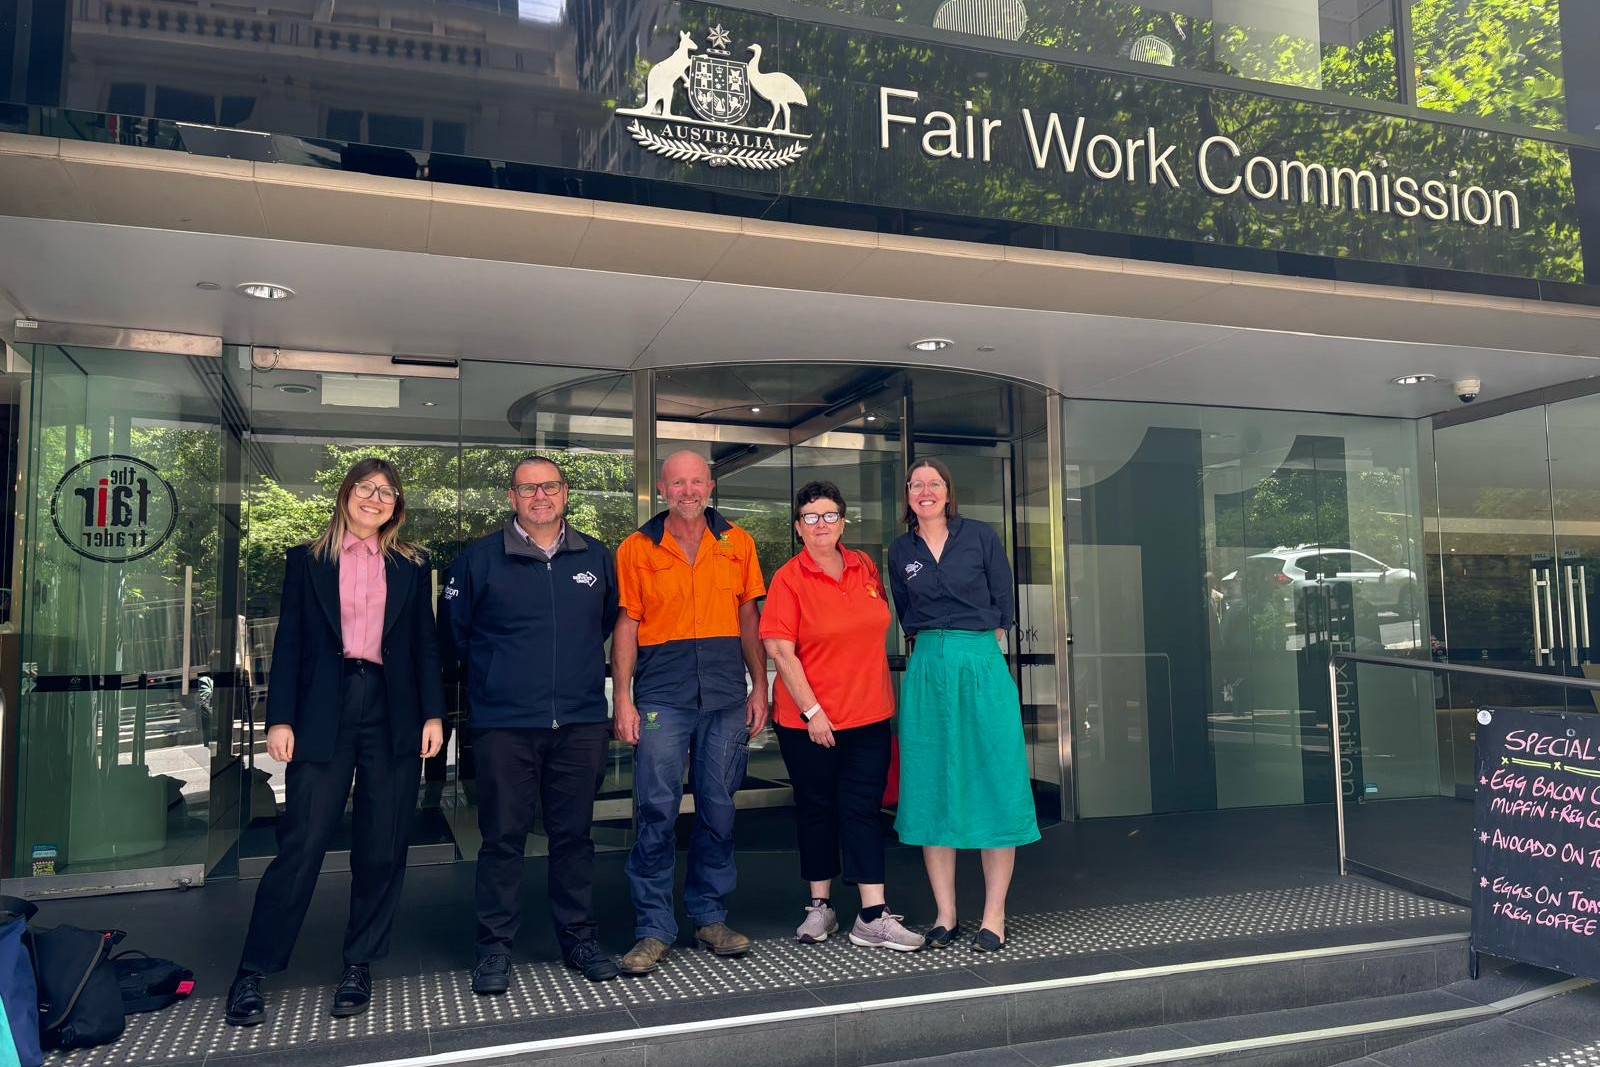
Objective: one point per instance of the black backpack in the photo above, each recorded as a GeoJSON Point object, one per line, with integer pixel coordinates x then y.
{"type": "Point", "coordinates": [150, 983]}
{"type": "Point", "coordinates": [80, 1003]}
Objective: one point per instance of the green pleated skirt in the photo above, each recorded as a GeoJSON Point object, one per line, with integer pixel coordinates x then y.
{"type": "Point", "coordinates": [963, 762]}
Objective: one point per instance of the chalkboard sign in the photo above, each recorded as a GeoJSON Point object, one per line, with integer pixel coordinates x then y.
{"type": "Point", "coordinates": [1536, 849]}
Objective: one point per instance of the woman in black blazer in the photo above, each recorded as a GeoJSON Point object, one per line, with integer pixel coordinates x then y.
{"type": "Point", "coordinates": [354, 693]}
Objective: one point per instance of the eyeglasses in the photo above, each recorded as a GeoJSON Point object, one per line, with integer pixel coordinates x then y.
{"type": "Point", "coordinates": [367, 490]}
{"type": "Point", "coordinates": [527, 489]}
{"type": "Point", "coordinates": [923, 487]}
{"type": "Point", "coordinates": [811, 518]}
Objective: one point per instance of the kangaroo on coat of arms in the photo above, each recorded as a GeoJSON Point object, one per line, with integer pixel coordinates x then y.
{"type": "Point", "coordinates": [719, 90]}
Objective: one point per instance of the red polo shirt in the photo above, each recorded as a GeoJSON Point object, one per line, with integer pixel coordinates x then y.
{"type": "Point", "coordinates": [838, 630]}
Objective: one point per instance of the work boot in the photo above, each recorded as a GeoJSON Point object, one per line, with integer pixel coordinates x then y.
{"type": "Point", "coordinates": [246, 1006]}
{"type": "Point", "coordinates": [722, 939]}
{"type": "Point", "coordinates": [645, 956]}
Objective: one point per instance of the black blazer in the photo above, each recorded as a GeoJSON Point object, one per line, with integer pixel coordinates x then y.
{"type": "Point", "coordinates": [306, 687]}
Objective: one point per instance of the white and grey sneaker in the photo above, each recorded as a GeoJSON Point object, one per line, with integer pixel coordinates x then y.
{"type": "Point", "coordinates": [821, 920]}
{"type": "Point", "coordinates": [885, 932]}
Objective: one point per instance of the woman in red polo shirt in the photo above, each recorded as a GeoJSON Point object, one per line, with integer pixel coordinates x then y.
{"type": "Point", "coordinates": [824, 625]}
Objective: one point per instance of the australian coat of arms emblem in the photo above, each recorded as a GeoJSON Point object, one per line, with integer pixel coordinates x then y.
{"type": "Point", "coordinates": [720, 92]}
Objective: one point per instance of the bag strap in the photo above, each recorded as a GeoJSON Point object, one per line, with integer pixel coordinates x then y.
{"type": "Point", "coordinates": [108, 939]}
{"type": "Point", "coordinates": [132, 952]}
{"type": "Point", "coordinates": [19, 906]}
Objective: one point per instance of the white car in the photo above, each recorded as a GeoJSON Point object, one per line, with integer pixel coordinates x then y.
{"type": "Point", "coordinates": [1311, 566]}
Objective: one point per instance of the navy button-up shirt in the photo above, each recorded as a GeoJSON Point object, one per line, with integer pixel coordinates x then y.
{"type": "Point", "coordinates": [969, 588]}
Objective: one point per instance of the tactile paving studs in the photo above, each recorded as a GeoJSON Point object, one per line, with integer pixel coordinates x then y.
{"type": "Point", "coordinates": [298, 1018]}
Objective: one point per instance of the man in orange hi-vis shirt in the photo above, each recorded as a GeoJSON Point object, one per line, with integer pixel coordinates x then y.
{"type": "Point", "coordinates": [688, 581]}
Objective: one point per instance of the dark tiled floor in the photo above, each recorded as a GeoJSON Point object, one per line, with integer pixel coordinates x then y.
{"type": "Point", "coordinates": [1112, 886]}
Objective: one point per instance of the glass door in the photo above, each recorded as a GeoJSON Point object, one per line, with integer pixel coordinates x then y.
{"type": "Point", "coordinates": [1574, 433]}
{"type": "Point", "coordinates": [127, 770]}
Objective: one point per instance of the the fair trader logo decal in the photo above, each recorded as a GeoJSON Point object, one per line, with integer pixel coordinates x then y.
{"type": "Point", "coordinates": [720, 91]}
{"type": "Point", "coordinates": [114, 509]}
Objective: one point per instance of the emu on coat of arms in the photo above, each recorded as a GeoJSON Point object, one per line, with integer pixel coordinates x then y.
{"type": "Point", "coordinates": [719, 91]}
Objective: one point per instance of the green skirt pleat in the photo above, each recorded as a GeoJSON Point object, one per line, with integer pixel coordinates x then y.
{"type": "Point", "coordinates": [963, 761]}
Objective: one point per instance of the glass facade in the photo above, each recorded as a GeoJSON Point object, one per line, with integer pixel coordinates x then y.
{"type": "Point", "coordinates": [1216, 556]}
{"type": "Point", "coordinates": [1341, 46]}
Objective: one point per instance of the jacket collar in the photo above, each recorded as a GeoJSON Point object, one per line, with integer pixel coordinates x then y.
{"type": "Point", "coordinates": [656, 528]}
{"type": "Point", "coordinates": [516, 541]}
{"type": "Point", "coordinates": [852, 559]}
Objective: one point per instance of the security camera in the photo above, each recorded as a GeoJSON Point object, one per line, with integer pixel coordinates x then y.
{"type": "Point", "coordinates": [1467, 390]}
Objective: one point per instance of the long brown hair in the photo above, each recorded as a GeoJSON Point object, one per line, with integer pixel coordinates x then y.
{"type": "Point", "coordinates": [938, 467]}
{"type": "Point", "coordinates": [330, 541]}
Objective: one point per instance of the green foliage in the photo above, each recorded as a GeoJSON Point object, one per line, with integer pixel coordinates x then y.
{"type": "Point", "coordinates": [1498, 59]}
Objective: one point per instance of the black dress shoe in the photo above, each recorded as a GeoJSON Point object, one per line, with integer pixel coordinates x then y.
{"type": "Point", "coordinates": [986, 940]}
{"type": "Point", "coordinates": [354, 991]}
{"type": "Point", "coordinates": [940, 937]}
{"type": "Point", "coordinates": [593, 961]}
{"type": "Point", "coordinates": [246, 1006]}
{"type": "Point", "coordinates": [492, 974]}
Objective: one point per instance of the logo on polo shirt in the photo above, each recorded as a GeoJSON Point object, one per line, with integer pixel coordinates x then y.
{"type": "Point", "coordinates": [913, 569]}
{"type": "Point", "coordinates": [450, 590]}
{"type": "Point", "coordinates": [585, 578]}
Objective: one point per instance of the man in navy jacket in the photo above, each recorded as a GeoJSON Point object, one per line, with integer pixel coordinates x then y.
{"type": "Point", "coordinates": [525, 615]}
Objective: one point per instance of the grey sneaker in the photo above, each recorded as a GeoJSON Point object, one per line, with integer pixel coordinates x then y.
{"type": "Point", "coordinates": [821, 921]}
{"type": "Point", "coordinates": [885, 932]}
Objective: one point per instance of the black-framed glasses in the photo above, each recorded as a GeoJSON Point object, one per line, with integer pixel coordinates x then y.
{"type": "Point", "coordinates": [367, 490]}
{"type": "Point", "coordinates": [526, 490]}
{"type": "Point", "coordinates": [811, 518]}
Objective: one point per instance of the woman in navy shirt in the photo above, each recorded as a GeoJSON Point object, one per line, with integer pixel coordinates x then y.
{"type": "Point", "coordinates": [963, 760]}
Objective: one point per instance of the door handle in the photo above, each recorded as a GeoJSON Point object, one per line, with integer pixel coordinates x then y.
{"type": "Point", "coordinates": [184, 653]}
{"type": "Point", "coordinates": [1540, 649]}
{"type": "Point", "coordinates": [1551, 634]}
{"type": "Point", "coordinates": [1572, 615]}
{"type": "Point", "coordinates": [1583, 605]}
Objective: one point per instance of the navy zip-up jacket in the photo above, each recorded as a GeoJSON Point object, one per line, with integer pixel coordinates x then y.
{"type": "Point", "coordinates": [528, 634]}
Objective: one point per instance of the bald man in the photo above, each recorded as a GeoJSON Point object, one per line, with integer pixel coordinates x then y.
{"type": "Point", "coordinates": [685, 640]}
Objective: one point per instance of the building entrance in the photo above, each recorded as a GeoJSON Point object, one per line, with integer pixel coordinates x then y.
{"type": "Point", "coordinates": [166, 480]}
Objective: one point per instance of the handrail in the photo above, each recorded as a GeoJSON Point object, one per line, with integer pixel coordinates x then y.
{"type": "Point", "coordinates": [1337, 658]}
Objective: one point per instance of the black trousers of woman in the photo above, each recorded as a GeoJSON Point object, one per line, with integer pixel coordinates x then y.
{"type": "Point", "coordinates": [385, 801]}
{"type": "Point", "coordinates": [838, 794]}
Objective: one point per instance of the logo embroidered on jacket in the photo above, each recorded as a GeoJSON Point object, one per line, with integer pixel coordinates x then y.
{"type": "Point", "coordinates": [585, 578]}
{"type": "Point", "coordinates": [913, 569]}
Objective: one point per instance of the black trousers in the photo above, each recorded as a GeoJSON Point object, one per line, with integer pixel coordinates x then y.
{"type": "Point", "coordinates": [385, 802]}
{"type": "Point", "coordinates": [519, 772]}
{"type": "Point", "coordinates": [838, 793]}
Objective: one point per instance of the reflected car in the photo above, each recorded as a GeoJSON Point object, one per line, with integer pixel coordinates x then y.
{"type": "Point", "coordinates": [1310, 566]}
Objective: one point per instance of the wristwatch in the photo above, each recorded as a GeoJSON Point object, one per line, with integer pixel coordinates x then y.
{"type": "Point", "coordinates": [811, 711]}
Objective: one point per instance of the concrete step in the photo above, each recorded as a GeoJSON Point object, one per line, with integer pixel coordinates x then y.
{"type": "Point", "coordinates": [1178, 1011]}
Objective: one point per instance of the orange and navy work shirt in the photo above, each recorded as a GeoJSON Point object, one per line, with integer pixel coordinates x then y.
{"type": "Point", "coordinates": [838, 630]}
{"type": "Point", "coordinates": [689, 651]}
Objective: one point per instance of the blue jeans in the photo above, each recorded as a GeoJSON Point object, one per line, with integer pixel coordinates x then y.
{"type": "Point", "coordinates": [720, 745]}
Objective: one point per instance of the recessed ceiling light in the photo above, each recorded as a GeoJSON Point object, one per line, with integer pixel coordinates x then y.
{"type": "Point", "coordinates": [755, 409]}
{"type": "Point", "coordinates": [209, 287]}
{"type": "Point", "coordinates": [931, 344]}
{"type": "Point", "coordinates": [872, 418]}
{"type": "Point", "coordinates": [986, 348]}
{"type": "Point", "coordinates": [430, 403]}
{"type": "Point", "coordinates": [294, 389]}
{"type": "Point", "coordinates": [264, 290]}
{"type": "Point", "coordinates": [1413, 379]}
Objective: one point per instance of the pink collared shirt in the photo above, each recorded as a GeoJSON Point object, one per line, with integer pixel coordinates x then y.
{"type": "Point", "coordinates": [362, 595]}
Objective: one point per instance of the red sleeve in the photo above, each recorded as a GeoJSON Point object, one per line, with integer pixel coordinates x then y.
{"type": "Point", "coordinates": [780, 616]}
{"type": "Point", "coordinates": [873, 578]}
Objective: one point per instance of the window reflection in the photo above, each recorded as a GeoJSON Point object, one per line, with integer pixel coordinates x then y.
{"type": "Point", "coordinates": [1344, 46]}
{"type": "Point", "coordinates": [1498, 59]}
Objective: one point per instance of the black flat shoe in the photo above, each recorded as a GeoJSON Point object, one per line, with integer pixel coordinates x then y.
{"type": "Point", "coordinates": [986, 940]}
{"type": "Point", "coordinates": [246, 1006]}
{"type": "Point", "coordinates": [593, 961]}
{"type": "Point", "coordinates": [492, 975]}
{"type": "Point", "coordinates": [353, 993]}
{"type": "Point", "coordinates": [939, 937]}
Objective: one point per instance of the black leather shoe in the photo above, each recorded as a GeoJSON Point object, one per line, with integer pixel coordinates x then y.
{"type": "Point", "coordinates": [593, 961]}
{"type": "Point", "coordinates": [354, 991]}
{"type": "Point", "coordinates": [986, 940]}
{"type": "Point", "coordinates": [940, 937]}
{"type": "Point", "coordinates": [246, 1006]}
{"type": "Point", "coordinates": [492, 975]}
